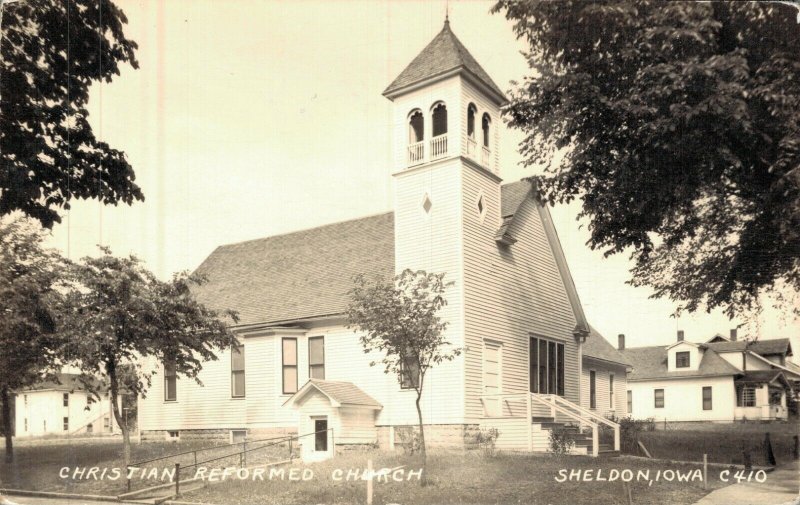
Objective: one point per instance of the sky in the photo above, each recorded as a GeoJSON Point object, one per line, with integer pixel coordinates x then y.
{"type": "Point", "coordinates": [250, 118]}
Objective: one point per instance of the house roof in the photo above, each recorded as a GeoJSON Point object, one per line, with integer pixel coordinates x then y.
{"type": "Point", "coordinates": [61, 382]}
{"type": "Point", "coordinates": [761, 376]}
{"type": "Point", "coordinates": [305, 274]}
{"type": "Point", "coordinates": [596, 346]}
{"type": "Point", "coordinates": [514, 194]}
{"type": "Point", "coordinates": [443, 54]}
{"type": "Point", "coordinates": [651, 363]}
{"type": "Point", "coordinates": [338, 392]}
{"type": "Point", "coordinates": [763, 347]}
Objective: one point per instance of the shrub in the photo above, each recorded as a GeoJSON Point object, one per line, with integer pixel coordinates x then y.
{"type": "Point", "coordinates": [629, 431]}
{"type": "Point", "coordinates": [487, 439]}
{"type": "Point", "coordinates": [561, 441]}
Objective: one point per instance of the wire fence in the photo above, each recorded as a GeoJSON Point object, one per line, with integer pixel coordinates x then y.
{"type": "Point", "coordinates": [265, 451]}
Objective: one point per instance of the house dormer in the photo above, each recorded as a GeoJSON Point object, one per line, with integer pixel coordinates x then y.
{"type": "Point", "coordinates": [683, 356]}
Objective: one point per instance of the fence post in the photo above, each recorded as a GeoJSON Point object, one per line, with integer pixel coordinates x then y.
{"type": "Point", "coordinates": [195, 461]}
{"type": "Point", "coordinates": [333, 444]}
{"type": "Point", "coordinates": [595, 441]}
{"type": "Point", "coordinates": [128, 475]}
{"type": "Point", "coordinates": [290, 449]}
{"type": "Point", "coordinates": [177, 479]}
{"type": "Point", "coordinates": [796, 447]}
{"type": "Point", "coordinates": [617, 445]}
{"type": "Point", "coordinates": [768, 454]}
{"type": "Point", "coordinates": [369, 482]}
{"type": "Point", "coordinates": [244, 452]}
{"type": "Point", "coordinates": [705, 471]}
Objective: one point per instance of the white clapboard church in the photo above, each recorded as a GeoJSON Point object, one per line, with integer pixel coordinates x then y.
{"type": "Point", "coordinates": [531, 362]}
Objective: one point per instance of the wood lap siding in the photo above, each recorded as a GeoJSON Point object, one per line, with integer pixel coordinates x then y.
{"type": "Point", "coordinates": [511, 293]}
{"type": "Point", "coordinates": [603, 370]}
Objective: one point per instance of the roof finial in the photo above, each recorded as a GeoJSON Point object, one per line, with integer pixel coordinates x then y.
{"type": "Point", "coordinates": [447, 12]}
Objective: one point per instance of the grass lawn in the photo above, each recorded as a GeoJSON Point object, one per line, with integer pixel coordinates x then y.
{"type": "Point", "coordinates": [458, 478]}
{"type": "Point", "coordinates": [722, 442]}
{"type": "Point", "coordinates": [38, 463]}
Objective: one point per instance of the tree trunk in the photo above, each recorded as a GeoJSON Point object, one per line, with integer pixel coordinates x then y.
{"type": "Point", "coordinates": [6, 399]}
{"type": "Point", "coordinates": [126, 436]}
{"type": "Point", "coordinates": [424, 479]}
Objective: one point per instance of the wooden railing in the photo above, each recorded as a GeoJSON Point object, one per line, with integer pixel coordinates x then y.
{"type": "Point", "coordinates": [439, 147]}
{"type": "Point", "coordinates": [416, 153]}
{"type": "Point", "coordinates": [471, 146]}
{"type": "Point", "coordinates": [520, 405]}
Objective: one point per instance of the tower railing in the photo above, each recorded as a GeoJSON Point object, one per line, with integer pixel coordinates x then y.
{"type": "Point", "coordinates": [416, 153]}
{"type": "Point", "coordinates": [439, 146]}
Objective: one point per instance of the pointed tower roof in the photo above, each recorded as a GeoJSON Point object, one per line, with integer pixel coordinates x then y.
{"type": "Point", "coordinates": [444, 56]}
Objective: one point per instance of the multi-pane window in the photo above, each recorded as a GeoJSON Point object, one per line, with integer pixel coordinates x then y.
{"type": "Point", "coordinates": [316, 358]}
{"type": "Point", "coordinates": [745, 396]}
{"type": "Point", "coordinates": [630, 402]}
{"type": "Point", "coordinates": [170, 382]}
{"type": "Point", "coordinates": [682, 359]}
{"type": "Point", "coordinates": [611, 391]}
{"type": "Point", "coordinates": [659, 398]}
{"type": "Point", "coordinates": [409, 373]}
{"type": "Point", "coordinates": [289, 353]}
{"type": "Point", "coordinates": [66, 424]}
{"type": "Point", "coordinates": [66, 399]}
{"type": "Point", "coordinates": [546, 366]}
{"type": "Point", "coordinates": [592, 389]}
{"type": "Point", "coordinates": [237, 371]}
{"type": "Point", "coordinates": [707, 398]}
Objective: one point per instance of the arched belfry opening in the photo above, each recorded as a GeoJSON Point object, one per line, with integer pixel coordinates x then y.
{"type": "Point", "coordinates": [486, 124]}
{"type": "Point", "coordinates": [416, 137]}
{"type": "Point", "coordinates": [439, 133]}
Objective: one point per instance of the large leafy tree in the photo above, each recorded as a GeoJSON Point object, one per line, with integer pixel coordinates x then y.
{"type": "Point", "coordinates": [679, 124]}
{"type": "Point", "coordinates": [121, 317]}
{"type": "Point", "coordinates": [400, 323]}
{"type": "Point", "coordinates": [30, 301]}
{"type": "Point", "coordinates": [51, 51]}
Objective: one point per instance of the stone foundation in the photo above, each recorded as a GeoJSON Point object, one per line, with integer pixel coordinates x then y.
{"type": "Point", "coordinates": [216, 435]}
{"type": "Point", "coordinates": [438, 436]}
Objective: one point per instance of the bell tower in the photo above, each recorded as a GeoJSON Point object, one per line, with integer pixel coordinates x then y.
{"type": "Point", "coordinates": [446, 118]}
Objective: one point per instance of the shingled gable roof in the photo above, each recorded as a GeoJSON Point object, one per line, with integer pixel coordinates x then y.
{"type": "Point", "coordinates": [442, 55]}
{"type": "Point", "coordinates": [305, 274]}
{"type": "Point", "coordinates": [338, 392]}
{"type": "Point", "coordinates": [651, 363]}
{"type": "Point", "coordinates": [763, 347]}
{"type": "Point", "coordinates": [596, 346]}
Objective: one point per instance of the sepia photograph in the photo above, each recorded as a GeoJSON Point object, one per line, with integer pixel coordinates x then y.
{"type": "Point", "coordinates": [399, 252]}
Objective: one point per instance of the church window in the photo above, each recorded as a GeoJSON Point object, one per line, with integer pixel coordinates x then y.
{"type": "Point", "coordinates": [472, 111]}
{"type": "Point", "coordinates": [439, 119]}
{"type": "Point", "coordinates": [486, 124]}
{"type": "Point", "coordinates": [416, 127]}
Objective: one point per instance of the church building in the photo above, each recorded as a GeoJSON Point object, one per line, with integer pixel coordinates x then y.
{"type": "Point", "coordinates": [530, 361]}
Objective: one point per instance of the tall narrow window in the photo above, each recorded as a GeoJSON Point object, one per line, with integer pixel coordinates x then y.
{"type": "Point", "coordinates": [486, 124]}
{"type": "Point", "coordinates": [630, 402]}
{"type": "Point", "coordinates": [707, 398]}
{"type": "Point", "coordinates": [409, 373]}
{"type": "Point", "coordinates": [289, 366]}
{"type": "Point", "coordinates": [560, 365]}
{"type": "Point", "coordinates": [658, 395]}
{"type": "Point", "coordinates": [237, 371]}
{"type": "Point", "coordinates": [592, 389]}
{"type": "Point", "coordinates": [543, 366]}
{"type": "Point", "coordinates": [439, 119]}
{"type": "Point", "coordinates": [472, 111]}
{"type": "Point", "coordinates": [316, 357]}
{"type": "Point", "coordinates": [552, 372]}
{"type": "Point", "coordinates": [611, 391]}
{"type": "Point", "coordinates": [682, 359]}
{"type": "Point", "coordinates": [533, 374]}
{"type": "Point", "coordinates": [416, 127]}
{"type": "Point", "coordinates": [170, 382]}
{"type": "Point", "coordinates": [66, 399]}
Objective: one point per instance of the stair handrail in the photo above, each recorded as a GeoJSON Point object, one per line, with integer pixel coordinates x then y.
{"type": "Point", "coordinates": [593, 415]}
{"type": "Point", "coordinates": [586, 412]}
{"type": "Point", "coordinates": [563, 410]}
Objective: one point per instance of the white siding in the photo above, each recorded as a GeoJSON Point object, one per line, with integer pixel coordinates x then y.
{"type": "Point", "coordinates": [683, 399]}
{"type": "Point", "coordinates": [45, 413]}
{"type": "Point", "coordinates": [511, 293]}
{"type": "Point", "coordinates": [603, 372]}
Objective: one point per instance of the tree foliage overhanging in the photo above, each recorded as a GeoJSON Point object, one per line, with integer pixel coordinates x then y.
{"type": "Point", "coordinates": [50, 54]}
{"type": "Point", "coordinates": [680, 124]}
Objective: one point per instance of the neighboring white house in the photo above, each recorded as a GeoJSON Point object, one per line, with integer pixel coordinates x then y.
{"type": "Point", "coordinates": [513, 308]}
{"type": "Point", "coordinates": [61, 407]}
{"type": "Point", "coordinates": [721, 380]}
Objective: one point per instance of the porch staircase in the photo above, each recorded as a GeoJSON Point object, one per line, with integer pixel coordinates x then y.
{"type": "Point", "coordinates": [582, 440]}
{"type": "Point", "coordinates": [525, 422]}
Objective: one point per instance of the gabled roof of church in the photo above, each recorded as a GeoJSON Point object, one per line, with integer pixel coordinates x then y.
{"type": "Point", "coordinates": [307, 274]}
{"type": "Point", "coordinates": [443, 54]}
